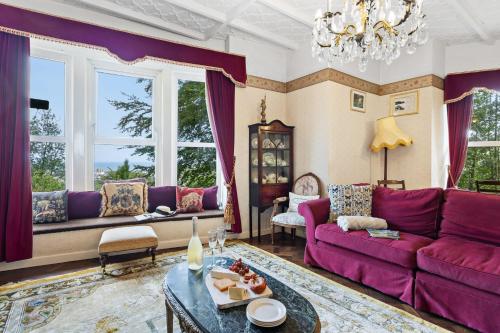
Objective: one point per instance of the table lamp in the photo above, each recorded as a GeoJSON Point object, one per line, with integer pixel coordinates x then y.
{"type": "Point", "coordinates": [388, 136]}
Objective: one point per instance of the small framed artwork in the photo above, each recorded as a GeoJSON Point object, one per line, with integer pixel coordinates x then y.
{"type": "Point", "coordinates": [404, 104]}
{"type": "Point", "coordinates": [358, 101]}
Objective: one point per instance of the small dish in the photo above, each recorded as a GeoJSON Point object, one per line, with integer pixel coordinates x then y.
{"type": "Point", "coordinates": [266, 311]}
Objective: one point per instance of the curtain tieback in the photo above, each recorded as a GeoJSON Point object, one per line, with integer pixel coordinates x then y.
{"type": "Point", "coordinates": [229, 210]}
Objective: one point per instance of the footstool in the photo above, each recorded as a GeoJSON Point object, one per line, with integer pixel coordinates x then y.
{"type": "Point", "coordinates": [127, 239]}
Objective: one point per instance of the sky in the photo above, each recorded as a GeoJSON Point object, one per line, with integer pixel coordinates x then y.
{"type": "Point", "coordinates": [47, 82]}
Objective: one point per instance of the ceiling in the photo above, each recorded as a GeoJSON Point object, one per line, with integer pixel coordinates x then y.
{"type": "Point", "coordinates": [288, 23]}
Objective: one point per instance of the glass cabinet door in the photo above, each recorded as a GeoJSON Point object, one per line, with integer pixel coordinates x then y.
{"type": "Point", "coordinates": [275, 158]}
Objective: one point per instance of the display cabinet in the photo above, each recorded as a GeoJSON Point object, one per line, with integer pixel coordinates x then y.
{"type": "Point", "coordinates": [270, 166]}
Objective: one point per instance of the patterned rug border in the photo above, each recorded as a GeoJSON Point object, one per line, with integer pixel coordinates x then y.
{"type": "Point", "coordinates": [30, 283]}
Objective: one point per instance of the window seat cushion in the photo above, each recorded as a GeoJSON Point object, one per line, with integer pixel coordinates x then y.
{"type": "Point", "coordinates": [116, 221]}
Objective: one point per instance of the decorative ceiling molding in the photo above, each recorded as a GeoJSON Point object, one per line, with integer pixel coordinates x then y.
{"type": "Point", "coordinates": [462, 10]}
{"type": "Point", "coordinates": [329, 74]}
{"type": "Point", "coordinates": [136, 16]}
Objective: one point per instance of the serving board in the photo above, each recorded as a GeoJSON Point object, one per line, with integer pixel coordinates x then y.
{"type": "Point", "coordinates": [222, 300]}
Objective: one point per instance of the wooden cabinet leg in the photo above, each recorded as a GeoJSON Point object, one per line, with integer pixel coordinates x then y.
{"type": "Point", "coordinates": [170, 318]}
{"type": "Point", "coordinates": [258, 225]}
{"type": "Point", "coordinates": [250, 222]}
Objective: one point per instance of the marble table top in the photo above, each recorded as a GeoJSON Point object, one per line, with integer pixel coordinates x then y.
{"type": "Point", "coordinates": [189, 290]}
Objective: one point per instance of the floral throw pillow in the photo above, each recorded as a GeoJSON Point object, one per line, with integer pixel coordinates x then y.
{"type": "Point", "coordinates": [189, 200]}
{"type": "Point", "coordinates": [350, 200]}
{"type": "Point", "coordinates": [50, 207]}
{"type": "Point", "coordinates": [127, 199]}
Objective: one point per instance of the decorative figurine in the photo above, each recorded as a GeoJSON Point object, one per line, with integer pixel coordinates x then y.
{"type": "Point", "coordinates": [263, 110]}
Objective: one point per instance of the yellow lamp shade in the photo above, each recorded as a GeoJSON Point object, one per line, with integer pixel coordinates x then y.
{"type": "Point", "coordinates": [389, 135]}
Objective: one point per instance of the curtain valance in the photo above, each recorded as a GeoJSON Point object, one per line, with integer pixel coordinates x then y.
{"type": "Point", "coordinates": [459, 86]}
{"type": "Point", "coordinates": [125, 46]}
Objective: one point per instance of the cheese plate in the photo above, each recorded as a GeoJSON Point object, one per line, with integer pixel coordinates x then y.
{"type": "Point", "coordinates": [222, 300]}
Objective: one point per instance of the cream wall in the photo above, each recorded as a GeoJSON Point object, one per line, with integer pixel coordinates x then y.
{"type": "Point", "coordinates": [247, 113]}
{"type": "Point", "coordinates": [333, 142]}
{"type": "Point", "coordinates": [420, 164]}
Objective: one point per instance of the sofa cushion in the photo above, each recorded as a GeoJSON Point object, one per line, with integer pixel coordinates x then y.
{"type": "Point", "coordinates": [401, 251]}
{"type": "Point", "coordinates": [50, 207]}
{"type": "Point", "coordinates": [119, 199]}
{"type": "Point", "coordinates": [189, 200]}
{"type": "Point", "coordinates": [413, 211]}
{"type": "Point", "coordinates": [471, 263]}
{"type": "Point", "coordinates": [161, 196]}
{"type": "Point", "coordinates": [351, 200]}
{"type": "Point", "coordinates": [210, 197]}
{"type": "Point", "coordinates": [471, 215]}
{"type": "Point", "coordinates": [83, 205]}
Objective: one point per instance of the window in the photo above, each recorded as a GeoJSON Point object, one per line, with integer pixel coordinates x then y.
{"type": "Point", "coordinates": [124, 146]}
{"type": "Point", "coordinates": [196, 154]}
{"type": "Point", "coordinates": [111, 121]}
{"type": "Point", "coordinates": [47, 127]}
{"type": "Point", "coordinates": [483, 154]}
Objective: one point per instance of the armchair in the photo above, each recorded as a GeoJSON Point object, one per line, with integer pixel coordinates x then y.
{"type": "Point", "coordinates": [305, 185]}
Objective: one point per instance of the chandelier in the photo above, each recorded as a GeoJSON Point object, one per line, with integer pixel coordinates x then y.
{"type": "Point", "coordinates": [368, 29]}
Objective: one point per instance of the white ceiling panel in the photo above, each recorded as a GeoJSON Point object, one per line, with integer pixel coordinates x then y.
{"type": "Point", "coordinates": [288, 22]}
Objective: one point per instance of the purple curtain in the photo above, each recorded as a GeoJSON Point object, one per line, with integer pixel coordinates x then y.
{"type": "Point", "coordinates": [16, 234]}
{"type": "Point", "coordinates": [124, 45]}
{"type": "Point", "coordinates": [459, 120]}
{"type": "Point", "coordinates": [220, 92]}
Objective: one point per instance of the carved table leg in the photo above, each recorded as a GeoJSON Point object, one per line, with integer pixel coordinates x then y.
{"type": "Point", "coordinates": [103, 258]}
{"type": "Point", "coordinates": [170, 318]}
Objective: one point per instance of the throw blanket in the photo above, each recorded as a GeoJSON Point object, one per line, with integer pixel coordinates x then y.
{"type": "Point", "coordinates": [360, 222]}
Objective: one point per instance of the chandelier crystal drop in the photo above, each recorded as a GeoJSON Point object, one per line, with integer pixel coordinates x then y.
{"type": "Point", "coordinates": [368, 29]}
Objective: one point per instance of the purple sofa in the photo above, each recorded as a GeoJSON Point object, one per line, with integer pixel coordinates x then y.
{"type": "Point", "coordinates": [447, 260]}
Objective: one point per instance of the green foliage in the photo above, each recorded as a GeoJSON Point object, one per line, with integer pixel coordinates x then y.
{"type": "Point", "coordinates": [483, 163]}
{"type": "Point", "coordinates": [122, 172]}
{"type": "Point", "coordinates": [47, 158]}
{"type": "Point", "coordinates": [195, 166]}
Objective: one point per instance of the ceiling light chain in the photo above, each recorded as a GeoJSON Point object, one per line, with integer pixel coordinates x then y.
{"type": "Point", "coordinates": [364, 29]}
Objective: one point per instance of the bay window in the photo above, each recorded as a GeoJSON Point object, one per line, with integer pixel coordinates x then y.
{"type": "Point", "coordinates": [111, 121]}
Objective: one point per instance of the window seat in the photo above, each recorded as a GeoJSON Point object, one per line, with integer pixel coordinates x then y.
{"type": "Point", "coordinates": [116, 221]}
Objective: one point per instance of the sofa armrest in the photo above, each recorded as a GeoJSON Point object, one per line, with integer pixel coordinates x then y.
{"type": "Point", "coordinates": [315, 212]}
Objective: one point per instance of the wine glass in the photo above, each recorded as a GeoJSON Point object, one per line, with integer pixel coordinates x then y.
{"type": "Point", "coordinates": [212, 243]}
{"type": "Point", "coordinates": [221, 238]}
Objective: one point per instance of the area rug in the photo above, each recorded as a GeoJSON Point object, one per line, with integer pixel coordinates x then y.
{"type": "Point", "coordinates": [130, 299]}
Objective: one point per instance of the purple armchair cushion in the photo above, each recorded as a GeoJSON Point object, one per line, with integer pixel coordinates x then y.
{"type": "Point", "coordinates": [413, 211]}
{"type": "Point", "coordinates": [210, 198]}
{"type": "Point", "coordinates": [471, 263]}
{"type": "Point", "coordinates": [471, 215]}
{"type": "Point", "coordinates": [161, 196]}
{"type": "Point", "coordinates": [402, 251]}
{"type": "Point", "coordinates": [84, 205]}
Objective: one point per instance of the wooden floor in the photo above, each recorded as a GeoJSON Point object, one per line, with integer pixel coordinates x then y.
{"type": "Point", "coordinates": [285, 247]}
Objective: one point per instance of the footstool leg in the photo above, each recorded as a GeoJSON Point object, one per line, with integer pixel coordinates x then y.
{"type": "Point", "coordinates": [103, 258]}
{"type": "Point", "coordinates": [153, 254]}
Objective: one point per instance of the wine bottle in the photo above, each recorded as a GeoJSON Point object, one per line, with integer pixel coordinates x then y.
{"type": "Point", "coordinates": [195, 249]}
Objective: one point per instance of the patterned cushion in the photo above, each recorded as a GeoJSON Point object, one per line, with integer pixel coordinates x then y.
{"type": "Point", "coordinates": [124, 199]}
{"type": "Point", "coordinates": [189, 200]}
{"type": "Point", "coordinates": [350, 200]}
{"type": "Point", "coordinates": [296, 199]}
{"type": "Point", "coordinates": [291, 218]}
{"type": "Point", "coordinates": [49, 207]}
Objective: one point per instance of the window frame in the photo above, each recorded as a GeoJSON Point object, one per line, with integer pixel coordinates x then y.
{"type": "Point", "coordinates": [66, 138]}
{"type": "Point", "coordinates": [94, 139]}
{"type": "Point", "coordinates": [189, 75]}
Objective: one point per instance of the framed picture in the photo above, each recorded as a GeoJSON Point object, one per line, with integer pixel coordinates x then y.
{"type": "Point", "coordinates": [358, 101]}
{"type": "Point", "coordinates": [404, 104]}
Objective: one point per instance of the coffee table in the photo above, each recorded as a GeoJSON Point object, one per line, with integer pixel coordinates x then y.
{"type": "Point", "coordinates": [188, 298]}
